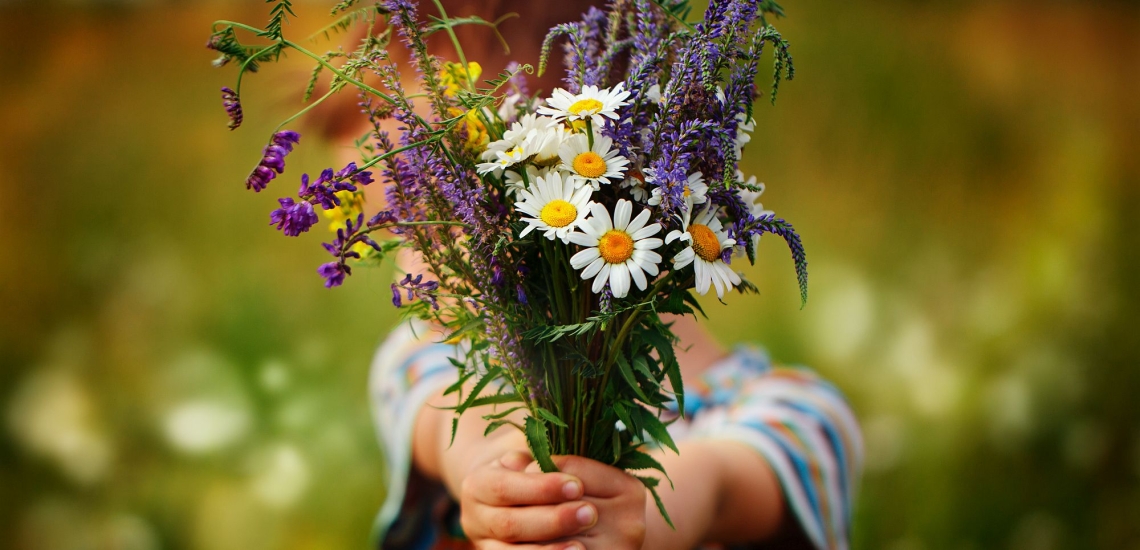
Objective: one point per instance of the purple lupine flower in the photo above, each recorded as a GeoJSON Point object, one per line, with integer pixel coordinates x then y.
{"type": "Point", "coordinates": [381, 218]}
{"type": "Point", "coordinates": [293, 218]}
{"type": "Point", "coordinates": [233, 107]}
{"type": "Point", "coordinates": [396, 301]}
{"type": "Point", "coordinates": [334, 273]}
{"type": "Point", "coordinates": [272, 160]}
{"type": "Point", "coordinates": [606, 300]}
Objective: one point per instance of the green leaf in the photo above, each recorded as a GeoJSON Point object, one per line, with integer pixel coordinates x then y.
{"type": "Point", "coordinates": [664, 347]}
{"type": "Point", "coordinates": [551, 417]}
{"type": "Point", "coordinates": [497, 399]}
{"type": "Point", "coordinates": [467, 327]}
{"type": "Point", "coordinates": [637, 460]}
{"type": "Point", "coordinates": [627, 374]}
{"type": "Point", "coordinates": [491, 374]}
{"type": "Point", "coordinates": [539, 444]}
{"type": "Point", "coordinates": [656, 428]}
{"type": "Point", "coordinates": [501, 414]}
{"type": "Point", "coordinates": [463, 378]}
{"type": "Point", "coordinates": [498, 424]}
{"type": "Point", "coordinates": [651, 484]}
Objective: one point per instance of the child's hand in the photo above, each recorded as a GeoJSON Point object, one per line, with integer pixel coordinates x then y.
{"type": "Point", "coordinates": [619, 498]}
{"type": "Point", "coordinates": [505, 508]}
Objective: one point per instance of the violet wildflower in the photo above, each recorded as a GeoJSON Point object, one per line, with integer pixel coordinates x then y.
{"type": "Point", "coordinates": [334, 273]}
{"type": "Point", "coordinates": [293, 218]}
{"type": "Point", "coordinates": [233, 107]}
{"type": "Point", "coordinates": [272, 160]}
{"type": "Point", "coordinates": [416, 288]}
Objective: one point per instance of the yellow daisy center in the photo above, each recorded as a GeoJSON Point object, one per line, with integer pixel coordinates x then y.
{"type": "Point", "coordinates": [558, 213]}
{"type": "Point", "coordinates": [590, 165]}
{"type": "Point", "coordinates": [588, 106]}
{"type": "Point", "coordinates": [687, 192]}
{"type": "Point", "coordinates": [705, 242]}
{"type": "Point", "coordinates": [616, 246]}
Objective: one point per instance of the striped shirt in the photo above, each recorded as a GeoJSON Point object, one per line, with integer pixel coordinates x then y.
{"type": "Point", "coordinates": [798, 422]}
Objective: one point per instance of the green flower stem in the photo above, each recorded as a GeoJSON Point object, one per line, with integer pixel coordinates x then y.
{"type": "Point", "coordinates": [455, 42]}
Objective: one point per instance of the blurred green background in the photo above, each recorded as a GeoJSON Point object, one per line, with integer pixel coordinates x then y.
{"type": "Point", "coordinates": [966, 177]}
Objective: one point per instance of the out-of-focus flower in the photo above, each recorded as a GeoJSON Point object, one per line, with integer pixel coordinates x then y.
{"type": "Point", "coordinates": [201, 426]}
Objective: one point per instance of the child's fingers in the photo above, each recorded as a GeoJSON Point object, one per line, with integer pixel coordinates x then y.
{"type": "Point", "coordinates": [516, 460]}
{"type": "Point", "coordinates": [530, 523]}
{"type": "Point", "coordinates": [600, 480]}
{"type": "Point", "coordinates": [496, 545]}
{"type": "Point", "coordinates": [503, 487]}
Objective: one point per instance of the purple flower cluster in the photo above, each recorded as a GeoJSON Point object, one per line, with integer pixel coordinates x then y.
{"type": "Point", "coordinates": [232, 104]}
{"type": "Point", "coordinates": [272, 160]}
{"type": "Point", "coordinates": [293, 218]}
{"type": "Point", "coordinates": [415, 288]}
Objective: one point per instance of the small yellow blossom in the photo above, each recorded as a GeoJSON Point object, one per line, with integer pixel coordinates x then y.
{"type": "Point", "coordinates": [454, 76]}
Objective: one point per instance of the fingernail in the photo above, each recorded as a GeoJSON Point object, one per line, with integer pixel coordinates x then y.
{"type": "Point", "coordinates": [572, 490]}
{"type": "Point", "coordinates": [587, 516]}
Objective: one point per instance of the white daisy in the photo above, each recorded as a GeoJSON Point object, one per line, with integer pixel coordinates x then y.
{"type": "Point", "coordinates": [654, 94]}
{"type": "Point", "coordinates": [694, 191]}
{"type": "Point", "coordinates": [591, 103]}
{"type": "Point", "coordinates": [744, 128]}
{"type": "Point", "coordinates": [506, 152]}
{"type": "Point", "coordinates": [707, 240]}
{"type": "Point", "coordinates": [635, 182]}
{"type": "Point", "coordinates": [554, 206]}
{"type": "Point", "coordinates": [617, 251]}
{"type": "Point", "coordinates": [545, 144]}
{"type": "Point", "coordinates": [514, 180]}
{"type": "Point", "coordinates": [596, 165]}
{"type": "Point", "coordinates": [502, 159]}
{"type": "Point", "coordinates": [752, 199]}
{"type": "Point", "coordinates": [745, 125]}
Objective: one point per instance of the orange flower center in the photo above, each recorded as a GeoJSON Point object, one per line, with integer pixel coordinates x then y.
{"type": "Point", "coordinates": [705, 242]}
{"type": "Point", "coordinates": [616, 246]}
{"type": "Point", "coordinates": [590, 165]}
{"type": "Point", "coordinates": [587, 106]}
{"type": "Point", "coordinates": [558, 213]}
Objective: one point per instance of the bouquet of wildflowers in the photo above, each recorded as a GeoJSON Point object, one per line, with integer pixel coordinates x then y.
{"type": "Point", "coordinates": [553, 232]}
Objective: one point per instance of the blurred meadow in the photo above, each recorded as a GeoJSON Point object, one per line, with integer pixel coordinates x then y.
{"type": "Point", "coordinates": [966, 177]}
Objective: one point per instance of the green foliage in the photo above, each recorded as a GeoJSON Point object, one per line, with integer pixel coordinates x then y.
{"type": "Point", "coordinates": [536, 438]}
{"type": "Point", "coordinates": [347, 20]}
{"type": "Point", "coordinates": [278, 16]}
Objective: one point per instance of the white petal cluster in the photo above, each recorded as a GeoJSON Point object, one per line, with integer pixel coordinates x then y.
{"type": "Point", "coordinates": [553, 162]}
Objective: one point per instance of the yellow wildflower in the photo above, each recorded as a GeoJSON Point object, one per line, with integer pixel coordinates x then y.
{"type": "Point", "coordinates": [455, 76]}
